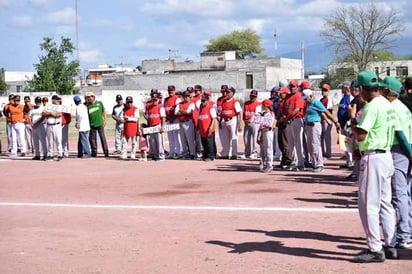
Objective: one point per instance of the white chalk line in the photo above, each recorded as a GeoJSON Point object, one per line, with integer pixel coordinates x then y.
{"type": "Point", "coordinates": [193, 208]}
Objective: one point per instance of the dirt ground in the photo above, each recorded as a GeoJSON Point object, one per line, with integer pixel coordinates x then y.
{"type": "Point", "coordinates": [114, 216]}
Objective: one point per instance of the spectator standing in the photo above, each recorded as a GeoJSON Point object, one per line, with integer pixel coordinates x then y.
{"type": "Point", "coordinates": [53, 116]}
{"type": "Point", "coordinates": [38, 129]}
{"type": "Point", "coordinates": [118, 130]}
{"type": "Point", "coordinates": [326, 137]}
{"type": "Point", "coordinates": [83, 126]}
{"type": "Point", "coordinates": [97, 119]}
{"type": "Point", "coordinates": [16, 117]}
{"type": "Point", "coordinates": [251, 108]}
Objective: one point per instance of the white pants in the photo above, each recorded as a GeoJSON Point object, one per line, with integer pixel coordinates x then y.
{"type": "Point", "coordinates": [54, 138]}
{"type": "Point", "coordinates": [18, 137]}
{"type": "Point", "coordinates": [228, 134]}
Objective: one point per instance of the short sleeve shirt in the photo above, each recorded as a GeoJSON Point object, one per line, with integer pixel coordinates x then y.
{"type": "Point", "coordinates": [379, 121]}
{"type": "Point", "coordinates": [314, 111]}
{"type": "Point", "coordinates": [404, 117]}
{"type": "Point", "coordinates": [96, 110]}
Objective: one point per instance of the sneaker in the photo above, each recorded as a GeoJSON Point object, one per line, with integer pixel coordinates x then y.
{"type": "Point", "coordinates": [351, 177]}
{"type": "Point", "coordinates": [370, 257]}
{"type": "Point", "coordinates": [59, 158]}
{"type": "Point", "coordinates": [143, 159]}
{"type": "Point", "coordinates": [268, 169]}
{"type": "Point", "coordinates": [132, 156]}
{"type": "Point", "coordinates": [391, 253]}
{"type": "Point", "coordinates": [22, 154]}
{"type": "Point", "coordinates": [36, 158]}
{"type": "Point", "coordinates": [233, 157]}
{"type": "Point", "coordinates": [403, 245]}
{"type": "Point", "coordinates": [318, 169]}
{"type": "Point", "coordinates": [49, 158]}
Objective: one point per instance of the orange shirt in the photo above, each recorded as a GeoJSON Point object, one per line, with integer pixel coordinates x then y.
{"type": "Point", "coordinates": [16, 113]}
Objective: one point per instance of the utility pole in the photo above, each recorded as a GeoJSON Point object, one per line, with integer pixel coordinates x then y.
{"type": "Point", "coordinates": [77, 34]}
{"type": "Point", "coordinates": [276, 43]}
{"type": "Point", "coordinates": [303, 59]}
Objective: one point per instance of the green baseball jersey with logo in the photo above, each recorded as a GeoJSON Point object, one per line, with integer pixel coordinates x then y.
{"type": "Point", "coordinates": [96, 113]}
{"type": "Point", "coordinates": [379, 121]}
{"type": "Point", "coordinates": [404, 117]}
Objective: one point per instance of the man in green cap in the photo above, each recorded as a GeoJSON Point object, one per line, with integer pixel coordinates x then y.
{"type": "Point", "coordinates": [375, 133]}
{"type": "Point", "coordinates": [401, 155]}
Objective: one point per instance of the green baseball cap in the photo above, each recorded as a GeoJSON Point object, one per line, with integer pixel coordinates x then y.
{"type": "Point", "coordinates": [392, 84]}
{"type": "Point", "coordinates": [368, 79]}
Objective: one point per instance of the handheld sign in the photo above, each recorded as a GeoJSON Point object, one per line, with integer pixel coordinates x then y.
{"type": "Point", "coordinates": [156, 129]}
{"type": "Point", "coordinates": [266, 121]}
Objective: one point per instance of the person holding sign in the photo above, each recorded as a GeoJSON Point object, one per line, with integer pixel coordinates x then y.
{"type": "Point", "coordinates": [265, 136]}
{"type": "Point", "coordinates": [53, 115]}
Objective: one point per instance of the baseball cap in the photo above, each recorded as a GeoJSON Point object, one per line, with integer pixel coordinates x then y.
{"type": "Point", "coordinates": [207, 92]}
{"type": "Point", "coordinates": [345, 83]}
{"type": "Point", "coordinates": [186, 93]}
{"type": "Point", "coordinates": [45, 99]}
{"type": "Point", "coordinates": [326, 86]}
{"type": "Point", "coordinates": [190, 89]}
{"type": "Point", "coordinates": [267, 103]}
{"type": "Point", "coordinates": [90, 93]}
{"type": "Point", "coordinates": [153, 90]}
{"type": "Point", "coordinates": [37, 99]}
{"type": "Point", "coordinates": [171, 88]}
{"type": "Point", "coordinates": [129, 99]}
{"type": "Point", "coordinates": [275, 89]}
{"type": "Point", "coordinates": [293, 83]}
{"type": "Point", "coordinates": [283, 83]}
{"type": "Point", "coordinates": [198, 87]}
{"type": "Point", "coordinates": [55, 97]}
{"type": "Point", "coordinates": [368, 79]}
{"type": "Point", "coordinates": [11, 96]}
{"type": "Point", "coordinates": [119, 97]}
{"type": "Point", "coordinates": [305, 84]}
{"type": "Point", "coordinates": [154, 94]}
{"type": "Point", "coordinates": [16, 97]}
{"type": "Point", "coordinates": [77, 99]}
{"type": "Point", "coordinates": [392, 84]}
{"type": "Point", "coordinates": [307, 92]}
{"type": "Point", "coordinates": [27, 98]}
{"type": "Point", "coordinates": [284, 90]}
{"type": "Point", "coordinates": [253, 93]}
{"type": "Point", "coordinates": [223, 87]}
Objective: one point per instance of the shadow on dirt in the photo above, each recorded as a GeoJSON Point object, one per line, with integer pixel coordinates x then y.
{"type": "Point", "coordinates": [280, 247]}
{"type": "Point", "coordinates": [342, 200]}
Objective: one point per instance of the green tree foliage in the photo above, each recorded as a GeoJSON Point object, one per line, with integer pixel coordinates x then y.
{"type": "Point", "coordinates": [54, 72]}
{"type": "Point", "coordinates": [3, 85]}
{"type": "Point", "coordinates": [335, 79]}
{"type": "Point", "coordinates": [377, 55]}
{"type": "Point", "coordinates": [246, 43]}
{"type": "Point", "coordinates": [358, 31]}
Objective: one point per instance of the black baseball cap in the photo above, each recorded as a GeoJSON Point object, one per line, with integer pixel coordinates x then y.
{"type": "Point", "coordinates": [129, 99]}
{"type": "Point", "coordinates": [119, 97]}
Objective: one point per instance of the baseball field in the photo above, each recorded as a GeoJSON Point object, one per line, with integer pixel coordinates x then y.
{"type": "Point", "coordinates": [124, 216]}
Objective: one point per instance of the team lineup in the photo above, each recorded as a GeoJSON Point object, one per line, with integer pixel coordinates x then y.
{"type": "Point", "coordinates": [292, 127]}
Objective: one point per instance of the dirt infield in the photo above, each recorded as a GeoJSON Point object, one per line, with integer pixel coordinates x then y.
{"type": "Point", "coordinates": [176, 216]}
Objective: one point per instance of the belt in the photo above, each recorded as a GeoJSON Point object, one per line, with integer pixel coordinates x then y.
{"type": "Point", "coordinates": [228, 119]}
{"type": "Point", "coordinates": [53, 124]}
{"type": "Point", "coordinates": [310, 124]}
{"type": "Point", "coordinates": [371, 152]}
{"type": "Point", "coordinates": [185, 121]}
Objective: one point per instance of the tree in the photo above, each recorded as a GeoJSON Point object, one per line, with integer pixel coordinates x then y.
{"type": "Point", "coordinates": [246, 43]}
{"type": "Point", "coordinates": [54, 72]}
{"type": "Point", "coordinates": [359, 31]}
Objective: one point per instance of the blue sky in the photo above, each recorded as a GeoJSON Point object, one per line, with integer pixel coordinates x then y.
{"type": "Point", "coordinates": [126, 31]}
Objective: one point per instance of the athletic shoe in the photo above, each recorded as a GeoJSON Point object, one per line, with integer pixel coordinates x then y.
{"type": "Point", "coordinates": [59, 158]}
{"type": "Point", "coordinates": [267, 169]}
{"type": "Point", "coordinates": [318, 169]}
{"type": "Point", "coordinates": [370, 257]}
{"type": "Point", "coordinates": [403, 245]}
{"type": "Point", "coordinates": [49, 158]}
{"type": "Point", "coordinates": [132, 156]}
{"type": "Point", "coordinates": [143, 159]}
{"type": "Point", "coordinates": [351, 177]}
{"type": "Point", "coordinates": [391, 253]}
{"type": "Point", "coordinates": [22, 154]}
{"type": "Point", "coordinates": [233, 157]}
{"type": "Point", "coordinates": [36, 158]}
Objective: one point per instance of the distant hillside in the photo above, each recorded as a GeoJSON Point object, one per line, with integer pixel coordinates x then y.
{"type": "Point", "coordinates": [318, 56]}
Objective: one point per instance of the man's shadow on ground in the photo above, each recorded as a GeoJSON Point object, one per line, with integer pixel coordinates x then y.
{"type": "Point", "coordinates": [345, 243]}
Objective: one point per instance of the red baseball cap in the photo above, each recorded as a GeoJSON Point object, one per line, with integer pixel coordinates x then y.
{"type": "Point", "coordinates": [305, 84]}
{"type": "Point", "coordinates": [284, 90]}
{"type": "Point", "coordinates": [207, 92]}
{"type": "Point", "coordinates": [267, 103]}
{"type": "Point", "coordinates": [293, 83]}
{"type": "Point", "coordinates": [253, 93]}
{"type": "Point", "coordinates": [326, 86]}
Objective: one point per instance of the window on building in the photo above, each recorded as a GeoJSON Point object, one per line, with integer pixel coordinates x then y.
{"type": "Point", "coordinates": [19, 89]}
{"type": "Point", "coordinates": [249, 81]}
{"type": "Point", "coordinates": [402, 71]}
{"type": "Point", "coordinates": [388, 71]}
{"type": "Point", "coordinates": [377, 70]}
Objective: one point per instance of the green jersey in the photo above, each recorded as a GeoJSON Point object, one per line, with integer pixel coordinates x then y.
{"type": "Point", "coordinates": [404, 117]}
{"type": "Point", "coordinates": [95, 114]}
{"type": "Point", "coordinates": [379, 121]}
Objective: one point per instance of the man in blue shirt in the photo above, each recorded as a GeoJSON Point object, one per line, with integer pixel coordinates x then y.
{"type": "Point", "coordinates": [315, 112]}
{"type": "Point", "coordinates": [342, 118]}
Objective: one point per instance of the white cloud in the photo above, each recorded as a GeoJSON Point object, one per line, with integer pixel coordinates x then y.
{"type": "Point", "coordinates": [39, 3]}
{"type": "Point", "coordinates": [21, 22]}
{"type": "Point", "coordinates": [90, 56]}
{"type": "Point", "coordinates": [5, 3]}
{"type": "Point", "coordinates": [145, 43]}
{"type": "Point", "coordinates": [119, 24]}
{"type": "Point", "coordinates": [66, 16]}
{"type": "Point", "coordinates": [214, 8]}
